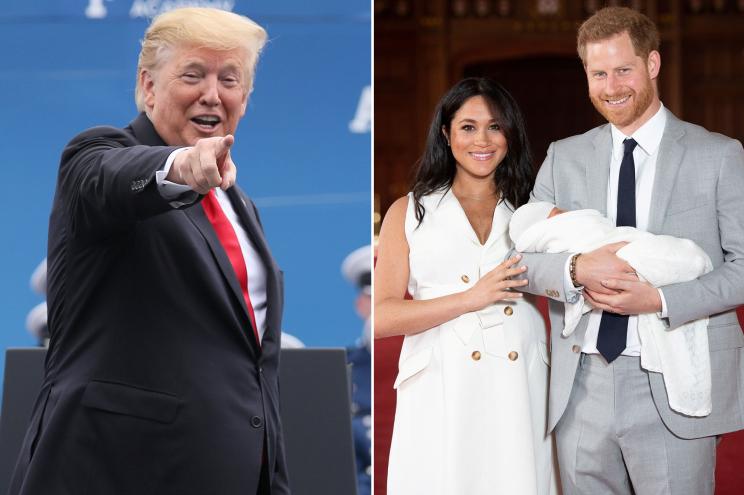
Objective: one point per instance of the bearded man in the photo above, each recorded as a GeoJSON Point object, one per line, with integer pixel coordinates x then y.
{"type": "Point", "coordinates": [615, 430]}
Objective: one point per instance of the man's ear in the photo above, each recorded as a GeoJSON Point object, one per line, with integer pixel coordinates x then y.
{"type": "Point", "coordinates": [653, 64]}
{"type": "Point", "coordinates": [147, 84]}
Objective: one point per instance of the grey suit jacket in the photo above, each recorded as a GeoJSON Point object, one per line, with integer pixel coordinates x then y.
{"type": "Point", "coordinates": [698, 194]}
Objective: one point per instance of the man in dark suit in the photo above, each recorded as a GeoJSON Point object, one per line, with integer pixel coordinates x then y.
{"type": "Point", "coordinates": [164, 301]}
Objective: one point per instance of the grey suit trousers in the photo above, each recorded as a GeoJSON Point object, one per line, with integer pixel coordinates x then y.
{"type": "Point", "coordinates": [611, 437]}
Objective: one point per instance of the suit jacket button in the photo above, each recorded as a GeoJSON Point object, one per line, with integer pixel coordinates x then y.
{"type": "Point", "coordinates": [465, 279]}
{"type": "Point", "coordinates": [256, 422]}
{"type": "Point", "coordinates": [476, 355]}
{"type": "Point", "coordinates": [513, 355]}
{"type": "Point", "coordinates": [576, 349]}
{"type": "Point", "coordinates": [508, 311]}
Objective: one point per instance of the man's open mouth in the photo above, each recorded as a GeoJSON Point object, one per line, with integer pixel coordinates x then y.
{"type": "Point", "coordinates": [618, 101]}
{"type": "Point", "coordinates": [210, 121]}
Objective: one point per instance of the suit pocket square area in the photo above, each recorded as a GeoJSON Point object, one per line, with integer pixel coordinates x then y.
{"type": "Point", "coordinates": [118, 398]}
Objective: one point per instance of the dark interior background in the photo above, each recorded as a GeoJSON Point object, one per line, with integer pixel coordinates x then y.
{"type": "Point", "coordinates": [422, 47]}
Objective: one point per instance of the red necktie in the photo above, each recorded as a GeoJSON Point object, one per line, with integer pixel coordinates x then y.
{"type": "Point", "coordinates": [229, 240]}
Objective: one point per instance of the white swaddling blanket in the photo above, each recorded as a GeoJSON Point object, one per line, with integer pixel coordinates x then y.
{"type": "Point", "coordinates": [680, 354]}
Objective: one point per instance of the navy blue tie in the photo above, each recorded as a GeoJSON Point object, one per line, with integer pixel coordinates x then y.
{"type": "Point", "coordinates": [613, 329]}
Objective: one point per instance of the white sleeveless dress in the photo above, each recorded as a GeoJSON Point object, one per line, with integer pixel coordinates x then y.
{"type": "Point", "coordinates": [472, 392]}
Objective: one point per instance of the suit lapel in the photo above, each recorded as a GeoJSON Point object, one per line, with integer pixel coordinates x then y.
{"type": "Point", "coordinates": [598, 170]}
{"type": "Point", "coordinates": [668, 163]}
{"type": "Point", "coordinates": [251, 225]}
{"type": "Point", "coordinates": [201, 222]}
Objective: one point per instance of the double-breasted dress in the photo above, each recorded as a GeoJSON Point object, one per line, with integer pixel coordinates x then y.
{"type": "Point", "coordinates": [472, 392]}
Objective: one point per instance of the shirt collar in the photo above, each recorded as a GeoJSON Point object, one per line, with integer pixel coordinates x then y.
{"type": "Point", "coordinates": [648, 136]}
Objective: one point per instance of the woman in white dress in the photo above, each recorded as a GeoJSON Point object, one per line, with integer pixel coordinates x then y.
{"type": "Point", "coordinates": [472, 381]}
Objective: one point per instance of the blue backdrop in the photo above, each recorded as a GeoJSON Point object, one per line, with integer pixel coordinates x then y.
{"type": "Point", "coordinates": [302, 150]}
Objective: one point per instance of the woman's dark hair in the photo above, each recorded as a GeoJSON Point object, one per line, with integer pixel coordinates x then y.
{"type": "Point", "coordinates": [514, 176]}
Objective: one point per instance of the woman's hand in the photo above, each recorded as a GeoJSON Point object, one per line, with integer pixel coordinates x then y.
{"type": "Point", "coordinates": [496, 284]}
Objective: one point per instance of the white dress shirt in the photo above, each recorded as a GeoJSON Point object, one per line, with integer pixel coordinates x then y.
{"type": "Point", "coordinates": [178, 196]}
{"type": "Point", "coordinates": [648, 137]}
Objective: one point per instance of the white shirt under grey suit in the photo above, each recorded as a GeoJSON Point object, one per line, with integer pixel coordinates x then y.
{"type": "Point", "coordinates": [689, 184]}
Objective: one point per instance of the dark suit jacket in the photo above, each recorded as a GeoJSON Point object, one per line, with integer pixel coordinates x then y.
{"type": "Point", "coordinates": [154, 382]}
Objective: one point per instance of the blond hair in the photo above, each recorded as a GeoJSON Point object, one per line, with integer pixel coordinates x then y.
{"type": "Point", "coordinates": [198, 27]}
{"type": "Point", "coordinates": [611, 21]}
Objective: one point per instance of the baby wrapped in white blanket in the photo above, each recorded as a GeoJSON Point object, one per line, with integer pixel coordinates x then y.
{"type": "Point", "coordinates": [680, 354]}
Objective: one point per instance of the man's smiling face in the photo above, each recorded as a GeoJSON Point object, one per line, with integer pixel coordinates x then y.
{"type": "Point", "coordinates": [197, 93]}
{"type": "Point", "coordinates": [621, 84]}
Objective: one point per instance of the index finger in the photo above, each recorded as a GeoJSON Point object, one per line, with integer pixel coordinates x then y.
{"type": "Point", "coordinates": [224, 145]}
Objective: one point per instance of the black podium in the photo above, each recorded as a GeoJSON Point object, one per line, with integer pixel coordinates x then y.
{"type": "Point", "coordinates": [315, 405]}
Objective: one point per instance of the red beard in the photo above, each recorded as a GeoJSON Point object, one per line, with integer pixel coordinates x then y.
{"type": "Point", "coordinates": [622, 117]}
